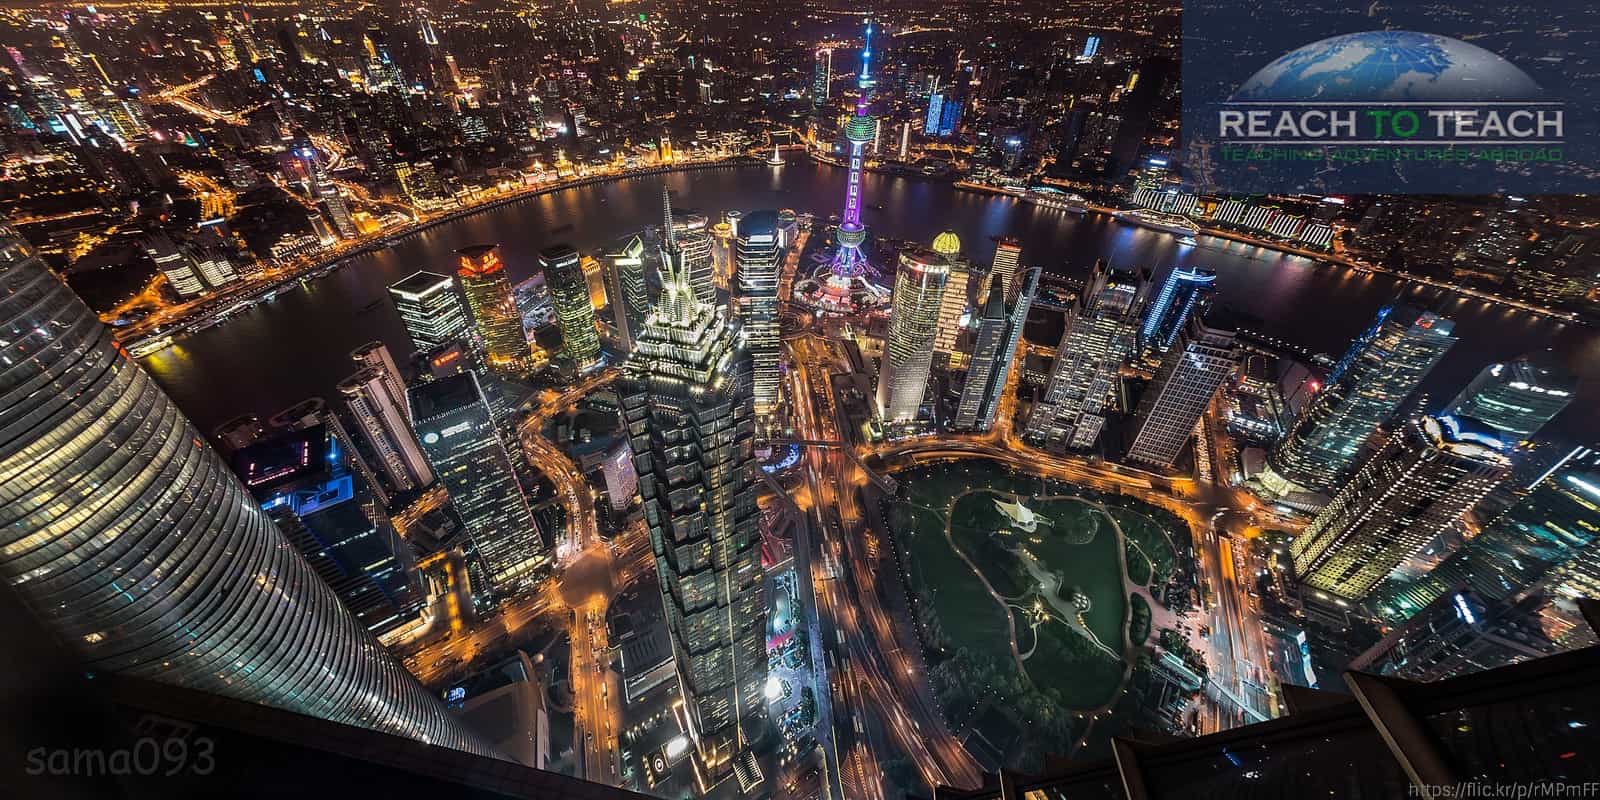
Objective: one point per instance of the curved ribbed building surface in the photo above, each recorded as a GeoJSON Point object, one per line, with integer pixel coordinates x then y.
{"type": "Point", "coordinates": [128, 536]}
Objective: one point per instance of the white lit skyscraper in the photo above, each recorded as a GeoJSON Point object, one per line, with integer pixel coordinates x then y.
{"type": "Point", "coordinates": [908, 351]}
{"type": "Point", "coordinates": [458, 434]}
{"type": "Point", "coordinates": [1419, 484]}
{"type": "Point", "coordinates": [687, 405]}
{"type": "Point", "coordinates": [1185, 293]}
{"type": "Point", "coordinates": [993, 353]}
{"type": "Point", "coordinates": [384, 421]}
{"type": "Point", "coordinates": [174, 264]}
{"type": "Point", "coordinates": [756, 264]}
{"type": "Point", "coordinates": [1203, 357]}
{"type": "Point", "coordinates": [429, 309]}
{"type": "Point", "coordinates": [1007, 260]}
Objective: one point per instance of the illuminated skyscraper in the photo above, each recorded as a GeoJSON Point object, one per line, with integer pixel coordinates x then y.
{"type": "Point", "coordinates": [459, 437]}
{"type": "Point", "coordinates": [687, 405]}
{"type": "Point", "coordinates": [1419, 484]}
{"type": "Point", "coordinates": [1007, 260]}
{"type": "Point", "coordinates": [130, 539]}
{"type": "Point", "coordinates": [999, 332]}
{"type": "Point", "coordinates": [849, 261]}
{"type": "Point", "coordinates": [376, 354]}
{"type": "Point", "coordinates": [175, 264]}
{"type": "Point", "coordinates": [1202, 359]}
{"type": "Point", "coordinates": [1185, 293]}
{"type": "Point", "coordinates": [1513, 555]}
{"type": "Point", "coordinates": [1517, 397]}
{"type": "Point", "coordinates": [1379, 371]}
{"type": "Point", "coordinates": [569, 293]}
{"type": "Point", "coordinates": [908, 351]}
{"type": "Point", "coordinates": [822, 78]}
{"type": "Point", "coordinates": [429, 309]}
{"type": "Point", "coordinates": [382, 417]}
{"type": "Point", "coordinates": [686, 246]}
{"type": "Point", "coordinates": [1098, 339]}
{"type": "Point", "coordinates": [306, 480]}
{"type": "Point", "coordinates": [494, 309]}
{"type": "Point", "coordinates": [759, 255]}
{"type": "Point", "coordinates": [946, 346]}
{"type": "Point", "coordinates": [630, 302]}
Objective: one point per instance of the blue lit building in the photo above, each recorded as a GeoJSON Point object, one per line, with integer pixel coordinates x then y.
{"type": "Point", "coordinates": [930, 126]}
{"type": "Point", "coordinates": [1183, 293]}
{"type": "Point", "coordinates": [314, 489]}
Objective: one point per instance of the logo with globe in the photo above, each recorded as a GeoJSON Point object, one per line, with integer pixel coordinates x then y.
{"type": "Point", "coordinates": [1391, 88]}
{"type": "Point", "coordinates": [1390, 66]}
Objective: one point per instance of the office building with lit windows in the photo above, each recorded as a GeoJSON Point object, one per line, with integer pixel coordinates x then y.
{"type": "Point", "coordinates": [377, 402]}
{"type": "Point", "coordinates": [1418, 485]}
{"type": "Point", "coordinates": [172, 262]}
{"type": "Point", "coordinates": [688, 407]}
{"type": "Point", "coordinates": [429, 309]}
{"type": "Point", "coordinates": [822, 77]}
{"type": "Point", "coordinates": [569, 294]}
{"type": "Point", "coordinates": [1516, 397]}
{"type": "Point", "coordinates": [1100, 335]}
{"type": "Point", "coordinates": [919, 287]}
{"type": "Point", "coordinates": [947, 350]}
{"type": "Point", "coordinates": [1376, 375]}
{"type": "Point", "coordinates": [1201, 359]}
{"type": "Point", "coordinates": [487, 288]}
{"type": "Point", "coordinates": [459, 437]}
{"type": "Point", "coordinates": [1556, 521]}
{"type": "Point", "coordinates": [1007, 260]}
{"type": "Point", "coordinates": [122, 530]}
{"type": "Point", "coordinates": [758, 257]}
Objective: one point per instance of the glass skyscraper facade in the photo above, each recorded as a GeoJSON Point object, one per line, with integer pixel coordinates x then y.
{"type": "Point", "coordinates": [429, 309]}
{"type": "Point", "coordinates": [459, 437]}
{"type": "Point", "coordinates": [989, 334]}
{"type": "Point", "coordinates": [759, 256]}
{"type": "Point", "coordinates": [919, 287]}
{"type": "Point", "coordinates": [1189, 377]}
{"type": "Point", "coordinates": [128, 536]}
{"type": "Point", "coordinates": [690, 418]}
{"type": "Point", "coordinates": [1516, 397]}
{"type": "Point", "coordinates": [1185, 293]}
{"type": "Point", "coordinates": [569, 294]}
{"type": "Point", "coordinates": [1376, 375]}
{"type": "Point", "coordinates": [383, 418]}
{"type": "Point", "coordinates": [1419, 484]}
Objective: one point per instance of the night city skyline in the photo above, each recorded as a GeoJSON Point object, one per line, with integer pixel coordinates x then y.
{"type": "Point", "coordinates": [813, 401]}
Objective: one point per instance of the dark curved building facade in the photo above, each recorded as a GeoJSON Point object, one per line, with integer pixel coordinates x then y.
{"type": "Point", "coordinates": [127, 535]}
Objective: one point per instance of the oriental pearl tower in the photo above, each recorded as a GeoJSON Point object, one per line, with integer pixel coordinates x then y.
{"type": "Point", "coordinates": [841, 285]}
{"type": "Point", "coordinates": [849, 261]}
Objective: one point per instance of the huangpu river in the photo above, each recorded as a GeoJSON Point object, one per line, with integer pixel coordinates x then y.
{"type": "Point", "coordinates": [296, 346]}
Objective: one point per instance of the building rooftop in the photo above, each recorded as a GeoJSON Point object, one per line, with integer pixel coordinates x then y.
{"type": "Point", "coordinates": [421, 283]}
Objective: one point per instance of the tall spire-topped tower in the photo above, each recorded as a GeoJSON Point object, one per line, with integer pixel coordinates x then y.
{"type": "Point", "coordinates": [849, 261]}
